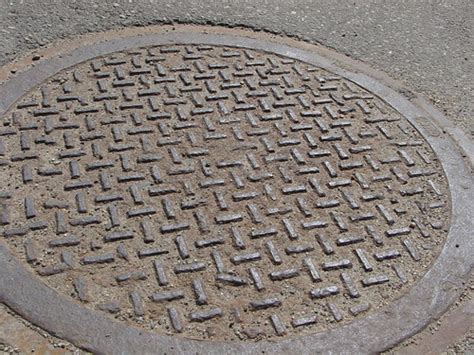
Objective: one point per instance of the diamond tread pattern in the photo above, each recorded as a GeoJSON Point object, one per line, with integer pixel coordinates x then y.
{"type": "Point", "coordinates": [219, 192]}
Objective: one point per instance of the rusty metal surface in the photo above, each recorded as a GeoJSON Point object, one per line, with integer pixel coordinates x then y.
{"type": "Point", "coordinates": [219, 193]}
{"type": "Point", "coordinates": [83, 312]}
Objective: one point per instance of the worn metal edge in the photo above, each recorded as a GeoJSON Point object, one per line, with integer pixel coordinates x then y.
{"type": "Point", "coordinates": [427, 300]}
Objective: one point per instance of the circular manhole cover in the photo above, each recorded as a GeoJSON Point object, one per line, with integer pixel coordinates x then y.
{"type": "Point", "coordinates": [218, 193]}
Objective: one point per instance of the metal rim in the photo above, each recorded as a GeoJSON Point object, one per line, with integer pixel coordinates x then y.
{"type": "Point", "coordinates": [426, 300]}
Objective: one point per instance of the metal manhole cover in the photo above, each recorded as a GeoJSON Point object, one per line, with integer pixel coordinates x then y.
{"type": "Point", "coordinates": [215, 192]}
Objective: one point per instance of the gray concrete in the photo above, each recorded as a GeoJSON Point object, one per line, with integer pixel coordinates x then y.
{"type": "Point", "coordinates": [426, 44]}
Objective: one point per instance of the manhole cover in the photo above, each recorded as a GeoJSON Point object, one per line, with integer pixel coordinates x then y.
{"type": "Point", "coordinates": [216, 192]}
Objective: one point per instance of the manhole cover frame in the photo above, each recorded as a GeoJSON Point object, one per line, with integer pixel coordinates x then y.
{"type": "Point", "coordinates": [426, 300]}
